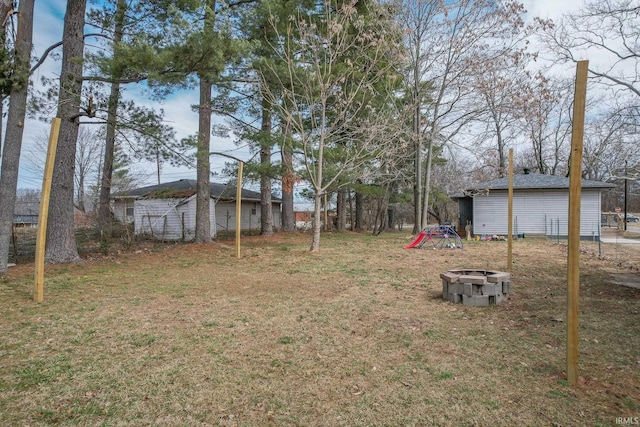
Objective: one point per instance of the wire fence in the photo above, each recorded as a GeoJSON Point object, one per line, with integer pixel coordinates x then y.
{"type": "Point", "coordinates": [611, 243]}
{"type": "Point", "coordinates": [22, 245]}
{"type": "Point", "coordinates": [623, 248]}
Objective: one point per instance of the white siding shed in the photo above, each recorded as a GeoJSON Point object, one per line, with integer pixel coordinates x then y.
{"type": "Point", "coordinates": [535, 212]}
{"type": "Point", "coordinates": [169, 219]}
{"type": "Point", "coordinates": [249, 215]}
{"type": "Point", "coordinates": [540, 206]}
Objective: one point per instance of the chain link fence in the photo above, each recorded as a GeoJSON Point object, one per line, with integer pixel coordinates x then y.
{"type": "Point", "coordinates": [88, 239]}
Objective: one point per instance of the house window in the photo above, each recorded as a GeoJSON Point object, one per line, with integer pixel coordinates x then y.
{"type": "Point", "coordinates": [253, 211]}
{"type": "Point", "coordinates": [129, 212]}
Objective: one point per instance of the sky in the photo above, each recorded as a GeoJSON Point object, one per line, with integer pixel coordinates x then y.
{"type": "Point", "coordinates": [550, 8]}
{"type": "Point", "coordinates": [48, 24]}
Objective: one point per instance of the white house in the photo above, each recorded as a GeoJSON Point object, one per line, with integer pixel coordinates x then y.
{"type": "Point", "coordinates": [170, 218]}
{"type": "Point", "coordinates": [540, 206]}
{"type": "Point", "coordinates": [167, 211]}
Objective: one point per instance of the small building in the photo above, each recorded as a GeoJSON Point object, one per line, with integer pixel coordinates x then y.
{"type": "Point", "coordinates": [540, 206]}
{"type": "Point", "coordinates": [25, 213]}
{"type": "Point", "coordinates": [168, 211]}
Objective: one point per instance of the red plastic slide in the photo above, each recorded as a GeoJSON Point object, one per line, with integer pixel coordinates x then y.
{"type": "Point", "coordinates": [417, 241]}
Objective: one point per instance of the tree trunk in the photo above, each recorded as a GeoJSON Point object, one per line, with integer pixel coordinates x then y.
{"type": "Point", "coordinates": [318, 190]}
{"type": "Point", "coordinates": [427, 185]}
{"type": "Point", "coordinates": [2, 98]}
{"type": "Point", "coordinates": [203, 167]}
{"type": "Point", "coordinates": [266, 210]}
{"type": "Point", "coordinates": [417, 189]}
{"type": "Point", "coordinates": [104, 211]}
{"type": "Point", "coordinates": [341, 209]}
{"type": "Point", "coordinates": [288, 178]}
{"type": "Point", "coordinates": [417, 116]}
{"type": "Point", "coordinates": [5, 7]}
{"type": "Point", "coordinates": [203, 178]}
{"type": "Point", "coordinates": [15, 127]}
{"type": "Point", "coordinates": [502, 160]}
{"type": "Point", "coordinates": [61, 241]}
{"type": "Point", "coordinates": [80, 194]}
{"type": "Point", "coordinates": [317, 223]}
{"type": "Point", "coordinates": [352, 215]}
{"type": "Point", "coordinates": [359, 212]}
{"type": "Point", "coordinates": [384, 211]}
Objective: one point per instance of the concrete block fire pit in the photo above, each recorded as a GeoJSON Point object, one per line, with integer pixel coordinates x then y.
{"type": "Point", "coordinates": [477, 288]}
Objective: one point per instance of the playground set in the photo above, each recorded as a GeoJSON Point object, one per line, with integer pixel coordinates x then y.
{"type": "Point", "coordinates": [441, 237]}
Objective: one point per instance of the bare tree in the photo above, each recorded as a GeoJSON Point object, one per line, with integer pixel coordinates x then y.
{"type": "Point", "coordinates": [607, 31]}
{"type": "Point", "coordinates": [443, 38]}
{"type": "Point", "coordinates": [544, 108]}
{"type": "Point", "coordinates": [500, 82]}
{"type": "Point", "coordinates": [418, 16]}
{"type": "Point", "coordinates": [346, 62]}
{"type": "Point", "coordinates": [611, 145]}
{"type": "Point", "coordinates": [87, 165]}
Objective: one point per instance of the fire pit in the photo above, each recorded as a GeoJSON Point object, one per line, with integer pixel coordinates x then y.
{"type": "Point", "coordinates": [478, 288]}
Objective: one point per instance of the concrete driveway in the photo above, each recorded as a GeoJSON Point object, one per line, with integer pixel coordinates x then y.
{"type": "Point", "coordinates": [620, 240]}
{"type": "Point", "coordinates": [611, 235]}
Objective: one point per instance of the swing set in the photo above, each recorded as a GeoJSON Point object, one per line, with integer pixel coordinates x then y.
{"type": "Point", "coordinates": [440, 236]}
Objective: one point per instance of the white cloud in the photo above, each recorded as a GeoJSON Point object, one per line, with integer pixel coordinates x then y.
{"type": "Point", "coordinates": [550, 9]}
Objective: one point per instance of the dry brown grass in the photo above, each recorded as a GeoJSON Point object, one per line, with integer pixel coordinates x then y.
{"type": "Point", "coordinates": [354, 335]}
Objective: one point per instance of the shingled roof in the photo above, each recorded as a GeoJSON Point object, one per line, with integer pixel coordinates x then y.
{"type": "Point", "coordinates": [536, 181]}
{"type": "Point", "coordinates": [187, 188]}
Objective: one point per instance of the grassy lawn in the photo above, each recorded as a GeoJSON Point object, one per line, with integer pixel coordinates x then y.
{"type": "Point", "coordinates": [356, 335]}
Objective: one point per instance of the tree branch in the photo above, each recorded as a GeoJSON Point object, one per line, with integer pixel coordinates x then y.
{"type": "Point", "coordinates": [52, 47]}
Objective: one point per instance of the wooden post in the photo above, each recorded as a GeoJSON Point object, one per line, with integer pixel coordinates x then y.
{"type": "Point", "coordinates": [575, 189]}
{"type": "Point", "coordinates": [510, 215]}
{"type": "Point", "coordinates": [239, 208]}
{"type": "Point", "coordinates": [43, 214]}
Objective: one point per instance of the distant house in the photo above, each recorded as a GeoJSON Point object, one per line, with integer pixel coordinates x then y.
{"type": "Point", "coordinates": [540, 206]}
{"type": "Point", "coordinates": [168, 211]}
{"type": "Point", "coordinates": [25, 213]}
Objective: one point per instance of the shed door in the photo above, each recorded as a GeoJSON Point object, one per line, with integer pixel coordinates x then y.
{"type": "Point", "coordinates": [465, 213]}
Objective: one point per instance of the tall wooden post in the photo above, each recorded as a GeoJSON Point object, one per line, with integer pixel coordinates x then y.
{"type": "Point", "coordinates": [575, 191]}
{"type": "Point", "coordinates": [43, 214]}
{"type": "Point", "coordinates": [510, 215]}
{"type": "Point", "coordinates": [238, 208]}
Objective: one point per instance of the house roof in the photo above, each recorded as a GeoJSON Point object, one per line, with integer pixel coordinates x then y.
{"type": "Point", "coordinates": [26, 212]}
{"type": "Point", "coordinates": [27, 208]}
{"type": "Point", "coordinates": [187, 188]}
{"type": "Point", "coordinates": [536, 181]}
